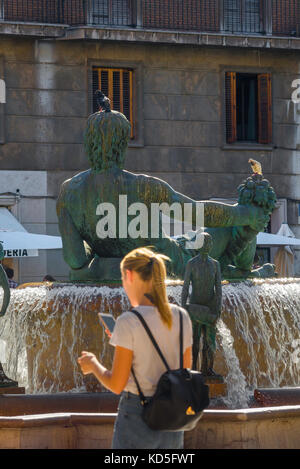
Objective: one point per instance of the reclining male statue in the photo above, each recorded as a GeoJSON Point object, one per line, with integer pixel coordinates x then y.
{"type": "Point", "coordinates": [94, 258]}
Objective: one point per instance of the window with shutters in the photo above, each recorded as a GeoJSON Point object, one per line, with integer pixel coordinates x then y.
{"type": "Point", "coordinates": [117, 84]}
{"type": "Point", "coordinates": [248, 100]}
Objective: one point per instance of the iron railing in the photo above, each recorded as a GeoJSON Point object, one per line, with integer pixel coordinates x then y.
{"type": "Point", "coordinates": [278, 17]}
{"type": "Point", "coordinates": [244, 16]}
{"type": "Point", "coordinates": [188, 15]}
{"type": "Point", "coordinates": [224, 16]}
{"type": "Point", "coordinates": [111, 12]}
{"type": "Point", "coordinates": [70, 12]}
{"type": "Point", "coordinates": [42, 11]}
{"type": "Point", "coordinates": [286, 17]}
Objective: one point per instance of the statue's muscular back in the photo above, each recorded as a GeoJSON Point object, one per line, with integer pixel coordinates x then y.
{"type": "Point", "coordinates": [82, 194]}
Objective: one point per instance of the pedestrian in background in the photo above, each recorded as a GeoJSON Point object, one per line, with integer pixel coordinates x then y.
{"type": "Point", "coordinates": [10, 275]}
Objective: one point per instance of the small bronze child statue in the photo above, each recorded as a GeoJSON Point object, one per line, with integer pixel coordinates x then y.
{"type": "Point", "coordinates": [205, 303]}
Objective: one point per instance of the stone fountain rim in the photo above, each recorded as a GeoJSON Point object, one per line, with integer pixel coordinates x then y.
{"type": "Point", "coordinates": [116, 284]}
{"type": "Point", "coordinates": [73, 418]}
{"type": "Point", "coordinates": [169, 283]}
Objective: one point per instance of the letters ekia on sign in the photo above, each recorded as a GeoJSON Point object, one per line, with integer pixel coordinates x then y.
{"type": "Point", "coordinates": [16, 253]}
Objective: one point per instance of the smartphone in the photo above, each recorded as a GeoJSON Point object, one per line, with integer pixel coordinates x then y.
{"type": "Point", "coordinates": [107, 321]}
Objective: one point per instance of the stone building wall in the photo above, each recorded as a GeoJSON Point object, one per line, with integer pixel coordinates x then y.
{"type": "Point", "coordinates": [179, 110]}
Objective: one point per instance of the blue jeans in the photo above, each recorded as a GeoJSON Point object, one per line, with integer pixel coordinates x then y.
{"type": "Point", "coordinates": [131, 432]}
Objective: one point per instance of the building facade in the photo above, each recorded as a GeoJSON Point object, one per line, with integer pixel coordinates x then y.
{"type": "Point", "coordinates": [206, 84]}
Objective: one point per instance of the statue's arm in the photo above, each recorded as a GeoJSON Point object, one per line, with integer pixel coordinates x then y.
{"type": "Point", "coordinates": [216, 214]}
{"type": "Point", "coordinates": [186, 284]}
{"type": "Point", "coordinates": [74, 252]}
{"type": "Point", "coordinates": [6, 291]}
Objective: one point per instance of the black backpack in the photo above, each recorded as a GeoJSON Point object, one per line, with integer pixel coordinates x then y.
{"type": "Point", "coordinates": [180, 397]}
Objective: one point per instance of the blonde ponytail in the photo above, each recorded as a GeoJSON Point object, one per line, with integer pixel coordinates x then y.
{"type": "Point", "coordinates": [151, 267]}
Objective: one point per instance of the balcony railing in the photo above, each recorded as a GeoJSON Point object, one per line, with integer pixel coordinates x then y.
{"type": "Point", "coordinates": [278, 17]}
{"type": "Point", "coordinates": [286, 17]}
{"type": "Point", "coordinates": [244, 16]}
{"type": "Point", "coordinates": [70, 12]}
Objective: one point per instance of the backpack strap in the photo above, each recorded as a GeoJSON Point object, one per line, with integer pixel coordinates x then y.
{"type": "Point", "coordinates": [151, 337]}
{"type": "Point", "coordinates": [181, 339]}
{"type": "Point", "coordinates": [142, 397]}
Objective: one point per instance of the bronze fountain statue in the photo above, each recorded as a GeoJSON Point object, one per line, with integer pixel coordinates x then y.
{"type": "Point", "coordinates": [235, 247]}
{"type": "Point", "coordinates": [228, 249]}
{"type": "Point", "coordinates": [230, 237]}
{"type": "Point", "coordinates": [94, 259]}
{"type": "Point", "coordinates": [204, 307]}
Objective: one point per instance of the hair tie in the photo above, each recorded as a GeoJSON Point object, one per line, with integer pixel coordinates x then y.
{"type": "Point", "coordinates": [149, 296]}
{"type": "Point", "coordinates": [150, 263]}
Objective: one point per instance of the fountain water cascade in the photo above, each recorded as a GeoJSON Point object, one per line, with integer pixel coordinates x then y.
{"type": "Point", "coordinates": [47, 326]}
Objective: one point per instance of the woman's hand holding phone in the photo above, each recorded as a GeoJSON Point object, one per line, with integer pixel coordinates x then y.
{"type": "Point", "coordinates": [108, 322]}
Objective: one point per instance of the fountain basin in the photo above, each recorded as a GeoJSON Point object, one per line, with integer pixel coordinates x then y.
{"type": "Point", "coordinates": [259, 428]}
{"type": "Point", "coordinates": [33, 404]}
{"type": "Point", "coordinates": [258, 335]}
{"type": "Point", "coordinates": [274, 397]}
{"type": "Point", "coordinates": [57, 431]}
{"type": "Point", "coordinates": [266, 428]}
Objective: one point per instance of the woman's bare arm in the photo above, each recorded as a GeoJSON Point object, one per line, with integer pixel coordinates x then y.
{"type": "Point", "coordinates": [187, 358]}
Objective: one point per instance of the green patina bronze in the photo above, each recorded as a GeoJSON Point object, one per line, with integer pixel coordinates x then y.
{"type": "Point", "coordinates": [4, 284]}
{"type": "Point", "coordinates": [4, 380]}
{"type": "Point", "coordinates": [235, 247]}
{"type": "Point", "coordinates": [205, 303]}
{"type": "Point", "coordinates": [95, 259]}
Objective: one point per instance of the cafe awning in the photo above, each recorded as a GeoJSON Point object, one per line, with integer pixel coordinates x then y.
{"type": "Point", "coordinates": [273, 240]}
{"type": "Point", "coordinates": [17, 242]}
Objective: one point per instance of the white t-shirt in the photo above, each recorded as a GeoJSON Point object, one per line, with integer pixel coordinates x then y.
{"type": "Point", "coordinates": [147, 364]}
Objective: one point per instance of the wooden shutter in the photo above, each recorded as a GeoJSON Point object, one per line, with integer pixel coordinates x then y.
{"type": "Point", "coordinates": [117, 84]}
{"type": "Point", "coordinates": [230, 96]}
{"type": "Point", "coordinates": [264, 108]}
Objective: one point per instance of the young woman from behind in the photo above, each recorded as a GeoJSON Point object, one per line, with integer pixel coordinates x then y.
{"type": "Point", "coordinates": [143, 277]}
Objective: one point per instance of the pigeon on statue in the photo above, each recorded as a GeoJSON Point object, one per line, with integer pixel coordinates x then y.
{"type": "Point", "coordinates": [256, 167]}
{"type": "Point", "coordinates": [103, 101]}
